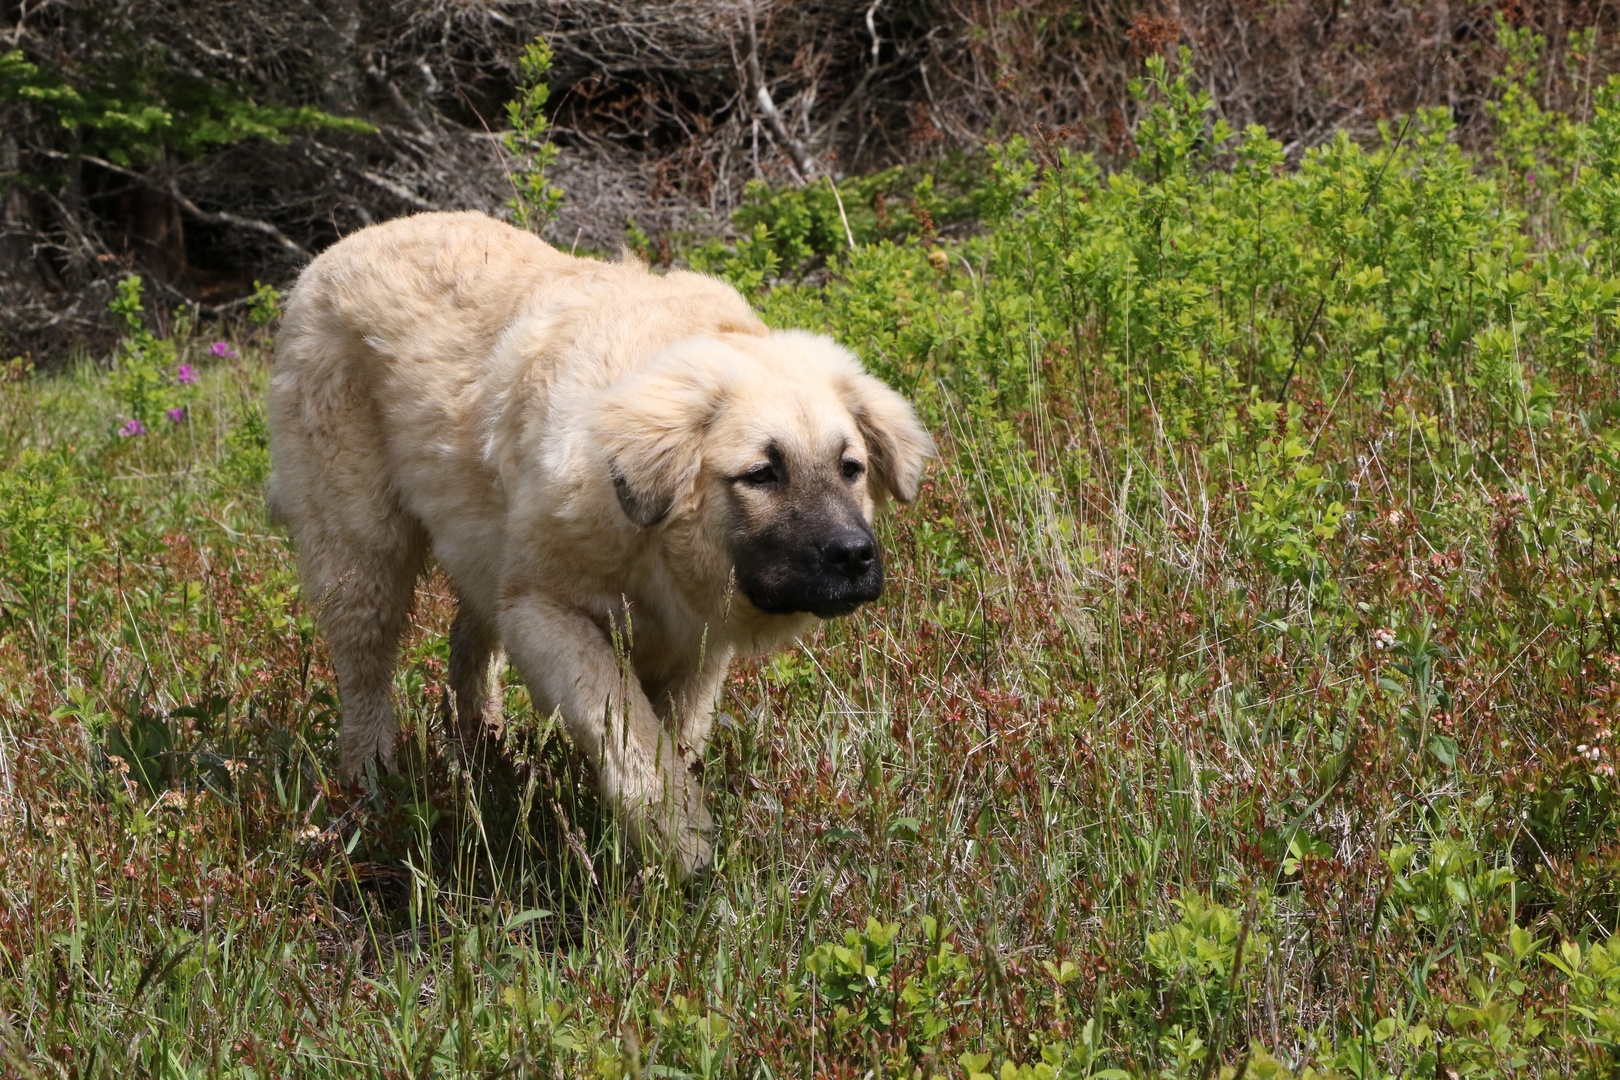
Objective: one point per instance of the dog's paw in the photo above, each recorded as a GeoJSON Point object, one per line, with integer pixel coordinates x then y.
{"type": "Point", "coordinates": [365, 753]}
{"type": "Point", "coordinates": [694, 848]}
{"type": "Point", "coordinates": [685, 830]}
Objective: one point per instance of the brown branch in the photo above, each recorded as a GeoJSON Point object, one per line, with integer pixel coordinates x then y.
{"type": "Point", "coordinates": [222, 217]}
{"type": "Point", "coordinates": [808, 167]}
{"type": "Point", "coordinates": [173, 190]}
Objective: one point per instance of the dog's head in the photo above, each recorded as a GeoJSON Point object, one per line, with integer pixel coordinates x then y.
{"type": "Point", "coordinates": [776, 448]}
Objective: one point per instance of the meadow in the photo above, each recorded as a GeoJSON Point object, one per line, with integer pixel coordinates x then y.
{"type": "Point", "coordinates": [1240, 703]}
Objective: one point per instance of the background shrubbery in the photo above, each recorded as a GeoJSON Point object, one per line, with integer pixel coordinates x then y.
{"type": "Point", "coordinates": [1241, 703]}
{"type": "Point", "coordinates": [211, 144]}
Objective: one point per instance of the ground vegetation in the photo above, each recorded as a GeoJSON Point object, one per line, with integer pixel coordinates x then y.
{"type": "Point", "coordinates": [1241, 703]}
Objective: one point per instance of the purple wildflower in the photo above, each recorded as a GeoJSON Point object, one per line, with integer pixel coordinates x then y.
{"type": "Point", "coordinates": [133, 427]}
{"type": "Point", "coordinates": [186, 374]}
{"type": "Point", "coordinates": [177, 415]}
{"type": "Point", "coordinates": [222, 349]}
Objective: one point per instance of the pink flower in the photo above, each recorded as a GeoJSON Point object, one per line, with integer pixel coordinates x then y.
{"type": "Point", "coordinates": [132, 427]}
{"type": "Point", "coordinates": [222, 349]}
{"type": "Point", "coordinates": [186, 374]}
{"type": "Point", "coordinates": [177, 415]}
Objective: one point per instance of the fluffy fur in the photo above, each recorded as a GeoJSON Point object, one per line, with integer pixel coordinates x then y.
{"type": "Point", "coordinates": [589, 450]}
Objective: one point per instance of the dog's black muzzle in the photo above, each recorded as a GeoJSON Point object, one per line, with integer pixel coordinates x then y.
{"type": "Point", "coordinates": [829, 577]}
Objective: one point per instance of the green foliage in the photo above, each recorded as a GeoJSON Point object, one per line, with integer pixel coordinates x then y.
{"type": "Point", "coordinates": [153, 389]}
{"type": "Point", "coordinates": [866, 994]}
{"type": "Point", "coordinates": [42, 534]}
{"type": "Point", "coordinates": [1594, 992]}
{"type": "Point", "coordinates": [749, 265]}
{"type": "Point", "coordinates": [535, 199]}
{"type": "Point", "coordinates": [245, 457]}
{"type": "Point", "coordinates": [1536, 151]}
{"type": "Point", "coordinates": [1174, 137]}
{"type": "Point", "coordinates": [1289, 513]}
{"type": "Point", "coordinates": [1198, 287]}
{"type": "Point", "coordinates": [133, 110]}
{"type": "Point", "coordinates": [1448, 884]}
{"type": "Point", "coordinates": [265, 307]}
{"type": "Point", "coordinates": [790, 230]}
{"type": "Point", "coordinates": [1594, 198]}
{"type": "Point", "coordinates": [1198, 955]}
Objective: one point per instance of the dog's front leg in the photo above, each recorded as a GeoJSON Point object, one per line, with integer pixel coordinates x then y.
{"type": "Point", "coordinates": [693, 699]}
{"type": "Point", "coordinates": [569, 664]}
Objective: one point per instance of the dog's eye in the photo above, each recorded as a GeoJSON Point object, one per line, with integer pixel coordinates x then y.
{"type": "Point", "coordinates": [853, 469]}
{"type": "Point", "coordinates": [763, 476]}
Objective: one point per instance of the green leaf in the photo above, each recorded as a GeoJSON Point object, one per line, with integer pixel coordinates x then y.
{"type": "Point", "coordinates": [906, 828]}
{"type": "Point", "coordinates": [1444, 748]}
{"type": "Point", "coordinates": [528, 916]}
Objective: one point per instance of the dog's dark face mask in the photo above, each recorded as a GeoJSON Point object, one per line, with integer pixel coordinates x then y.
{"type": "Point", "coordinates": [800, 539]}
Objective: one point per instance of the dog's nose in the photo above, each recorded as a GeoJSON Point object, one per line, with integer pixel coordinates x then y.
{"type": "Point", "coordinates": [850, 553]}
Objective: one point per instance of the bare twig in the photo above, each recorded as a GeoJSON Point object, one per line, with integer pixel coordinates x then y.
{"type": "Point", "coordinates": [839, 199]}
{"type": "Point", "coordinates": [809, 168]}
{"type": "Point", "coordinates": [222, 217]}
{"type": "Point", "coordinates": [172, 188]}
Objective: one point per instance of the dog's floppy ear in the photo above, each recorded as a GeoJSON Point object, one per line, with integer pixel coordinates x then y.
{"type": "Point", "coordinates": [896, 443]}
{"type": "Point", "coordinates": [650, 425]}
{"type": "Point", "coordinates": [649, 505]}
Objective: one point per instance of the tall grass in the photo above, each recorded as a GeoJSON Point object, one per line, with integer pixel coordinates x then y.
{"type": "Point", "coordinates": [1240, 702]}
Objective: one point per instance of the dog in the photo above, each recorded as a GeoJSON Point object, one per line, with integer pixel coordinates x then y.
{"type": "Point", "coordinates": [627, 477]}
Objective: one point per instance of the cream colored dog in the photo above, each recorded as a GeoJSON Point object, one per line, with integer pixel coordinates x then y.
{"type": "Point", "coordinates": [609, 464]}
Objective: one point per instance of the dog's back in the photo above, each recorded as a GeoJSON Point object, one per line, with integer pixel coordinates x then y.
{"type": "Point", "coordinates": [425, 297]}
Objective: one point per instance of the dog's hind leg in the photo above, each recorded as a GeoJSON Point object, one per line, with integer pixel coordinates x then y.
{"type": "Point", "coordinates": [360, 554]}
{"type": "Point", "coordinates": [359, 549]}
{"type": "Point", "coordinates": [363, 613]}
{"type": "Point", "coordinates": [476, 661]}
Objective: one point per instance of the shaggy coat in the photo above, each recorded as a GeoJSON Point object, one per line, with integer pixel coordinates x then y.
{"type": "Point", "coordinates": [628, 478]}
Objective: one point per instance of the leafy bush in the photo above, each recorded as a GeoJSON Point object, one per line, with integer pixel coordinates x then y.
{"type": "Point", "coordinates": [42, 532]}
{"type": "Point", "coordinates": [153, 388]}
{"type": "Point", "coordinates": [135, 108]}
{"type": "Point", "coordinates": [869, 995]}
{"type": "Point", "coordinates": [536, 199]}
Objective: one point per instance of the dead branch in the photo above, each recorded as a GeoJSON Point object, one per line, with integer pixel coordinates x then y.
{"type": "Point", "coordinates": [221, 217]}
{"type": "Point", "coordinates": [808, 167]}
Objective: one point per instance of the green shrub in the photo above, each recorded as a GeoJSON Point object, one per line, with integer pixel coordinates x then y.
{"type": "Point", "coordinates": [535, 200]}
{"type": "Point", "coordinates": [43, 532]}
{"type": "Point", "coordinates": [151, 385]}
{"type": "Point", "coordinates": [133, 108]}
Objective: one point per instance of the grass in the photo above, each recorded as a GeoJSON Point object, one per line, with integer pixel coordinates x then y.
{"type": "Point", "coordinates": [1240, 702]}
